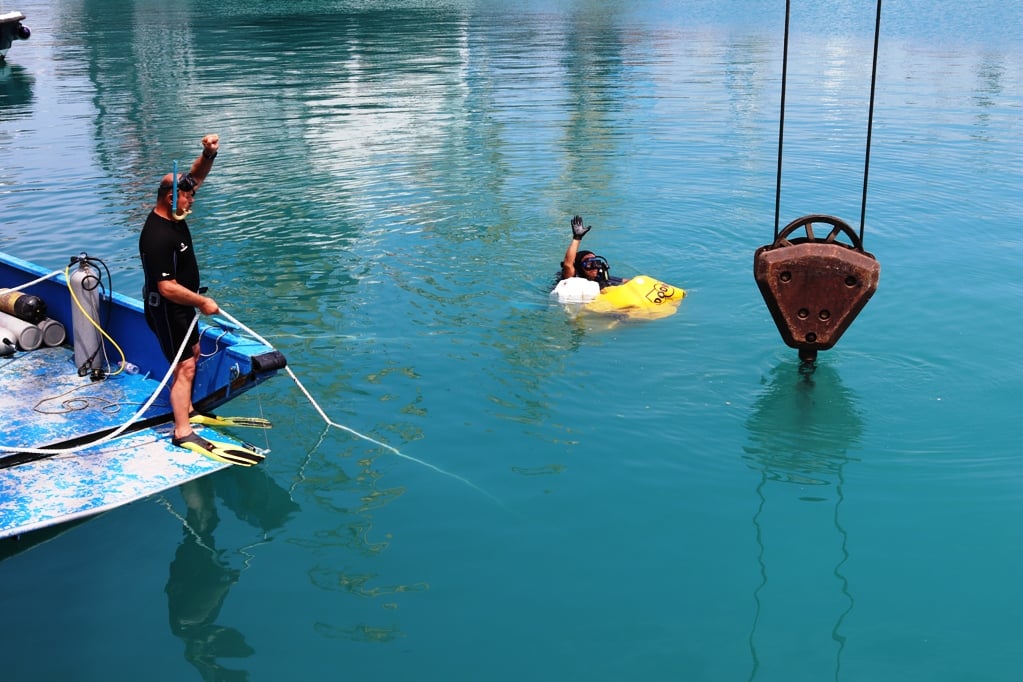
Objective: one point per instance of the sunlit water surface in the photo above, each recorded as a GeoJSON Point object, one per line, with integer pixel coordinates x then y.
{"type": "Point", "coordinates": [574, 498]}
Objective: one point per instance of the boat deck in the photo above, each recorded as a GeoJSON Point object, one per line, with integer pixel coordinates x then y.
{"type": "Point", "coordinates": [46, 402]}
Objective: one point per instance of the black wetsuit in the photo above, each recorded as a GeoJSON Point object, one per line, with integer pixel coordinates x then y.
{"type": "Point", "coordinates": [165, 247]}
{"type": "Point", "coordinates": [610, 281]}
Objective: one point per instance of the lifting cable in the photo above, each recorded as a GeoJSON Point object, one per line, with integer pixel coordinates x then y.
{"type": "Point", "coordinates": [814, 286]}
{"type": "Point", "coordinates": [870, 117]}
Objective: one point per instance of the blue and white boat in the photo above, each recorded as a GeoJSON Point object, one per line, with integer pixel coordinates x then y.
{"type": "Point", "coordinates": [87, 429]}
{"type": "Point", "coordinates": [11, 29]}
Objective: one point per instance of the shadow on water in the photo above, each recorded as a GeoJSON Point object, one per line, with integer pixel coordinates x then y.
{"type": "Point", "coordinates": [801, 431]}
{"type": "Point", "coordinates": [201, 574]}
{"type": "Point", "coordinates": [13, 546]}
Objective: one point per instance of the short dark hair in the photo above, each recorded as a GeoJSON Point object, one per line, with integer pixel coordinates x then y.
{"type": "Point", "coordinates": [186, 183]}
{"type": "Point", "coordinates": [580, 257]}
{"type": "Point", "coordinates": [161, 192]}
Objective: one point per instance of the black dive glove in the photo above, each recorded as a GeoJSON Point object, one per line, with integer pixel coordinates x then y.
{"type": "Point", "coordinates": [578, 231]}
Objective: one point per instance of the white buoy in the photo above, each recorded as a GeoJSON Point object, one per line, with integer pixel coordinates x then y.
{"type": "Point", "coordinates": [25, 334]}
{"type": "Point", "coordinates": [576, 290]}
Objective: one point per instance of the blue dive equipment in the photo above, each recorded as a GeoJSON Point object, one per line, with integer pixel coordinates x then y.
{"type": "Point", "coordinates": [176, 184]}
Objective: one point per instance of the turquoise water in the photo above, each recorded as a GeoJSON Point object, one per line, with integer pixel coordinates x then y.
{"type": "Point", "coordinates": [574, 499]}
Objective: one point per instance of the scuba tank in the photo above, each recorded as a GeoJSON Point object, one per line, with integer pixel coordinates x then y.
{"type": "Point", "coordinates": [18, 332]}
{"type": "Point", "coordinates": [8, 341]}
{"type": "Point", "coordinates": [53, 332]}
{"type": "Point", "coordinates": [84, 283]}
{"type": "Point", "coordinates": [23, 306]}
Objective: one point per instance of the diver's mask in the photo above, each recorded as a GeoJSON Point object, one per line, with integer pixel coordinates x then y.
{"type": "Point", "coordinates": [186, 183]}
{"type": "Point", "coordinates": [598, 263]}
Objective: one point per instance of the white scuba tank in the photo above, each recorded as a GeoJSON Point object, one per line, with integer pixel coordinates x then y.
{"type": "Point", "coordinates": [26, 335]}
{"type": "Point", "coordinates": [8, 341]}
{"type": "Point", "coordinates": [85, 316]}
{"type": "Point", "coordinates": [53, 332]}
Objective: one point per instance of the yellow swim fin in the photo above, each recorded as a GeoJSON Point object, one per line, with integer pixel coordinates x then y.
{"type": "Point", "coordinates": [218, 451]}
{"type": "Point", "coordinates": [210, 419]}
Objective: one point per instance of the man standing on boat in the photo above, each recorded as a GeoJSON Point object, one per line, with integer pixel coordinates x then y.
{"type": "Point", "coordinates": [172, 290]}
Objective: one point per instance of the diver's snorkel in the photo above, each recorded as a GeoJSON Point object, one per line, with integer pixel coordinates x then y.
{"type": "Point", "coordinates": [174, 195]}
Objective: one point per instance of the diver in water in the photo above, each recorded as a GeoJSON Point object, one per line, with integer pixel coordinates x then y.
{"type": "Point", "coordinates": [586, 263]}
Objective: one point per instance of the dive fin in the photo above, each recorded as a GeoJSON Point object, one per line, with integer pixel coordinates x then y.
{"type": "Point", "coordinates": [218, 451]}
{"type": "Point", "coordinates": [210, 419]}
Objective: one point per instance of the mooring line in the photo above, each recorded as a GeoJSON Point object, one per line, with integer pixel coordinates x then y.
{"type": "Point", "coordinates": [331, 422]}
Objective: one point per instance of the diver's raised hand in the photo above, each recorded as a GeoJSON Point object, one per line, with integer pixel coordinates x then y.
{"type": "Point", "coordinates": [578, 231]}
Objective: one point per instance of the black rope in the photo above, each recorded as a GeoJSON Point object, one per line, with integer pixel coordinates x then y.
{"type": "Point", "coordinates": [870, 119]}
{"type": "Point", "coordinates": [781, 118]}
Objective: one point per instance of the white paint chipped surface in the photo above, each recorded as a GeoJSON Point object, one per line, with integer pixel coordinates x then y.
{"type": "Point", "coordinates": [63, 488]}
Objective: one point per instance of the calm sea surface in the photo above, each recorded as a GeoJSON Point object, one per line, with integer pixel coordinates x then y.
{"type": "Point", "coordinates": [575, 499]}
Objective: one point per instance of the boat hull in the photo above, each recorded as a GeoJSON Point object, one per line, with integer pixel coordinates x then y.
{"type": "Point", "coordinates": [58, 460]}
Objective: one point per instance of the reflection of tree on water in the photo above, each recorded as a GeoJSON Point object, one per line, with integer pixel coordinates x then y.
{"type": "Point", "coordinates": [801, 430]}
{"type": "Point", "coordinates": [201, 575]}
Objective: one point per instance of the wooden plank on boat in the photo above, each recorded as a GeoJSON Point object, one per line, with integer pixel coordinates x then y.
{"type": "Point", "coordinates": [64, 488]}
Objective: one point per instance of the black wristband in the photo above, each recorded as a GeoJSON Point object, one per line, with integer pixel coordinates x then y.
{"type": "Point", "coordinates": [207, 154]}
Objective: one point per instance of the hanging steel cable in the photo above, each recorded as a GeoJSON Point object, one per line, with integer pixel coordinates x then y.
{"type": "Point", "coordinates": [814, 286]}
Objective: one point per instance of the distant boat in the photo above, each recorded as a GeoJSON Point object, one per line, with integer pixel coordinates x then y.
{"type": "Point", "coordinates": [11, 29]}
{"type": "Point", "coordinates": [58, 394]}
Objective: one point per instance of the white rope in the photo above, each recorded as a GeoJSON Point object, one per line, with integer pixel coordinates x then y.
{"type": "Point", "coordinates": [36, 281]}
{"type": "Point", "coordinates": [170, 370]}
{"type": "Point", "coordinates": [330, 422]}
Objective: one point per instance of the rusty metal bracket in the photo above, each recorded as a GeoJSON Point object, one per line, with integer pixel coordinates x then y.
{"type": "Point", "coordinates": [815, 286]}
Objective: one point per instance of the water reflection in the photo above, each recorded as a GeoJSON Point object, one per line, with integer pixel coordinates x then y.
{"type": "Point", "coordinates": [988, 93]}
{"type": "Point", "coordinates": [16, 90]}
{"type": "Point", "coordinates": [803, 425]}
{"type": "Point", "coordinates": [201, 574]}
{"type": "Point", "coordinates": [801, 431]}
{"type": "Point", "coordinates": [349, 502]}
